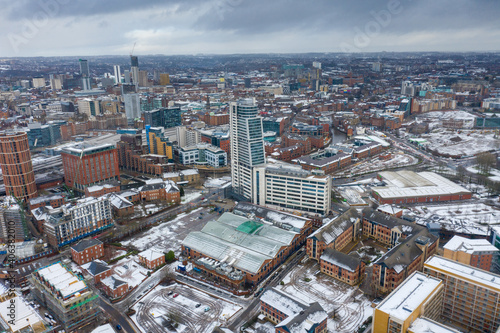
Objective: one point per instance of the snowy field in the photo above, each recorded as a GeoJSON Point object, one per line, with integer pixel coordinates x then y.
{"type": "Point", "coordinates": [218, 182]}
{"type": "Point", "coordinates": [466, 143]}
{"type": "Point", "coordinates": [436, 119]}
{"type": "Point", "coordinates": [470, 217]}
{"type": "Point", "coordinates": [170, 234]}
{"type": "Point", "coordinates": [352, 308]}
{"type": "Point", "coordinates": [494, 173]}
{"type": "Point", "coordinates": [188, 197]}
{"type": "Point", "coordinates": [154, 310]}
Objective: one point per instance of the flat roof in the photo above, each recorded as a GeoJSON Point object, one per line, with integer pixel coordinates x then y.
{"type": "Point", "coordinates": [470, 246]}
{"type": "Point", "coordinates": [401, 303]}
{"type": "Point", "coordinates": [412, 184]}
{"type": "Point", "coordinates": [425, 325]}
{"type": "Point", "coordinates": [62, 279]}
{"type": "Point", "coordinates": [466, 272]}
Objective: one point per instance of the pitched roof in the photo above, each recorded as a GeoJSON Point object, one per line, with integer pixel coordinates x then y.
{"type": "Point", "coordinates": [85, 244]}
{"type": "Point", "coordinates": [333, 229]}
{"type": "Point", "coordinates": [97, 267]}
{"type": "Point", "coordinates": [340, 259]}
{"type": "Point", "coordinates": [113, 282]}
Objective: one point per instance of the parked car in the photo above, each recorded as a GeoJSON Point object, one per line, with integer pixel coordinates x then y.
{"type": "Point", "coordinates": [207, 309]}
{"type": "Point", "coordinates": [197, 305]}
{"type": "Point", "coordinates": [175, 295]}
{"type": "Point", "coordinates": [170, 293]}
{"type": "Point", "coordinates": [119, 327]}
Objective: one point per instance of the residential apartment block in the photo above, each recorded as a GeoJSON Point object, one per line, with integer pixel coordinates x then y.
{"type": "Point", "coordinates": [77, 220]}
{"type": "Point", "coordinates": [65, 296]}
{"type": "Point", "coordinates": [474, 252]}
{"type": "Point", "coordinates": [471, 296]}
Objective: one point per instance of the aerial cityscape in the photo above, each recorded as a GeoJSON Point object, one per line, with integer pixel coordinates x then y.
{"type": "Point", "coordinates": [263, 167]}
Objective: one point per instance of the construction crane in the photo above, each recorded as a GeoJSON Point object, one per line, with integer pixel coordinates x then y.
{"type": "Point", "coordinates": [133, 47]}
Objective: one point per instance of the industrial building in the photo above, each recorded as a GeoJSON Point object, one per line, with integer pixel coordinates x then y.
{"type": "Point", "coordinates": [411, 187]}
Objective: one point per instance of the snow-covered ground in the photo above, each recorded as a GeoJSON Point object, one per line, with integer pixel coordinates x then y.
{"type": "Point", "coordinates": [437, 119]}
{"type": "Point", "coordinates": [188, 197]}
{"type": "Point", "coordinates": [494, 173]}
{"type": "Point", "coordinates": [218, 182]}
{"type": "Point", "coordinates": [352, 308]}
{"type": "Point", "coordinates": [129, 270]}
{"type": "Point", "coordinates": [461, 217]}
{"type": "Point", "coordinates": [461, 143]}
{"type": "Point", "coordinates": [170, 234]}
{"type": "Point", "coordinates": [154, 309]}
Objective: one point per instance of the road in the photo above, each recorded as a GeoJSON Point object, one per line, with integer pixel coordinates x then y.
{"type": "Point", "coordinates": [273, 281]}
{"type": "Point", "coordinates": [118, 316]}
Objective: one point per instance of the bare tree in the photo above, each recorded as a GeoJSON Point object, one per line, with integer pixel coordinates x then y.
{"type": "Point", "coordinates": [485, 161]}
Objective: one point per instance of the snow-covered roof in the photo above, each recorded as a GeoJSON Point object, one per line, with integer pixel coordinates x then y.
{"type": "Point", "coordinates": [470, 246]}
{"type": "Point", "coordinates": [412, 184]}
{"type": "Point", "coordinates": [62, 279]}
{"type": "Point", "coordinates": [329, 232]}
{"type": "Point", "coordinates": [245, 246]}
{"type": "Point", "coordinates": [415, 290]}
{"type": "Point", "coordinates": [425, 325]}
{"type": "Point", "coordinates": [151, 254]}
{"type": "Point", "coordinates": [283, 302]}
{"type": "Point", "coordinates": [106, 328]}
{"type": "Point", "coordinates": [464, 272]}
{"type": "Point", "coordinates": [25, 315]}
{"type": "Point", "coordinates": [340, 259]}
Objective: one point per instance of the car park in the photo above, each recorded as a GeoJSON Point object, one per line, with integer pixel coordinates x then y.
{"type": "Point", "coordinates": [175, 295]}
{"type": "Point", "coordinates": [207, 309]}
{"type": "Point", "coordinates": [197, 305]}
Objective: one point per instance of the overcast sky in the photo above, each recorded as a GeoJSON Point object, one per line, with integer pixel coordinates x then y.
{"type": "Point", "coordinates": [107, 27]}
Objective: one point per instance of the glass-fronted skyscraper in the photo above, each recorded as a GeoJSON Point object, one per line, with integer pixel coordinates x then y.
{"type": "Point", "coordinates": [247, 145]}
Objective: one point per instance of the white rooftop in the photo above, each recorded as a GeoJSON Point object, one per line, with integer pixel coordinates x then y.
{"type": "Point", "coordinates": [106, 328]}
{"type": "Point", "coordinates": [151, 254]}
{"type": "Point", "coordinates": [470, 246]}
{"type": "Point", "coordinates": [412, 184]}
{"type": "Point", "coordinates": [401, 303]}
{"type": "Point", "coordinates": [464, 271]}
{"type": "Point", "coordinates": [62, 279]}
{"type": "Point", "coordinates": [25, 315]}
{"type": "Point", "coordinates": [424, 325]}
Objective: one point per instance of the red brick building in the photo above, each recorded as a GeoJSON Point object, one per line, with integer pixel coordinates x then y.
{"type": "Point", "coordinates": [151, 258]}
{"type": "Point", "coordinates": [88, 165]}
{"type": "Point", "coordinates": [474, 252]}
{"type": "Point", "coordinates": [114, 287]}
{"type": "Point", "coordinates": [87, 250]}
{"type": "Point", "coordinates": [286, 312]}
{"type": "Point", "coordinates": [158, 189]}
{"type": "Point", "coordinates": [342, 267]}
{"type": "Point", "coordinates": [100, 190]}
{"type": "Point", "coordinates": [411, 245]}
{"type": "Point", "coordinates": [54, 201]}
{"type": "Point", "coordinates": [98, 269]}
{"type": "Point", "coordinates": [334, 235]}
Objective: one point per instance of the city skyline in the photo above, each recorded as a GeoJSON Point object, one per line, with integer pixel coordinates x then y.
{"type": "Point", "coordinates": [61, 28]}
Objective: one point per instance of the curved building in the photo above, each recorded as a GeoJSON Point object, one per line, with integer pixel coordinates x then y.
{"type": "Point", "coordinates": [15, 161]}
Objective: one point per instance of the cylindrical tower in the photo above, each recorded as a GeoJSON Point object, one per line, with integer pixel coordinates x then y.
{"type": "Point", "coordinates": [15, 161]}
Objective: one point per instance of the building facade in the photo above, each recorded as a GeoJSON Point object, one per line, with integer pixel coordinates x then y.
{"type": "Point", "coordinates": [65, 296]}
{"type": "Point", "coordinates": [87, 250]}
{"type": "Point", "coordinates": [474, 252]}
{"type": "Point", "coordinates": [88, 165]}
{"type": "Point", "coordinates": [17, 169]}
{"type": "Point", "coordinates": [471, 296]}
{"type": "Point", "coordinates": [247, 146]}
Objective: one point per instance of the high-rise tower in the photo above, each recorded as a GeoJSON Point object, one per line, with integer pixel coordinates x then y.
{"type": "Point", "coordinates": [118, 74]}
{"type": "Point", "coordinates": [134, 69]}
{"type": "Point", "coordinates": [85, 72]}
{"type": "Point", "coordinates": [247, 145]}
{"type": "Point", "coordinates": [15, 161]}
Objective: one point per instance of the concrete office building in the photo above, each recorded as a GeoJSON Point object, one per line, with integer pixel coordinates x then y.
{"type": "Point", "coordinates": [17, 169]}
{"type": "Point", "coordinates": [132, 106]}
{"type": "Point", "coordinates": [118, 74]}
{"type": "Point", "coordinates": [247, 146]}
{"type": "Point", "coordinates": [291, 188]}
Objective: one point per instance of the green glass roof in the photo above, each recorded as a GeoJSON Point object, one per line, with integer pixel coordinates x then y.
{"type": "Point", "coordinates": [249, 227]}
